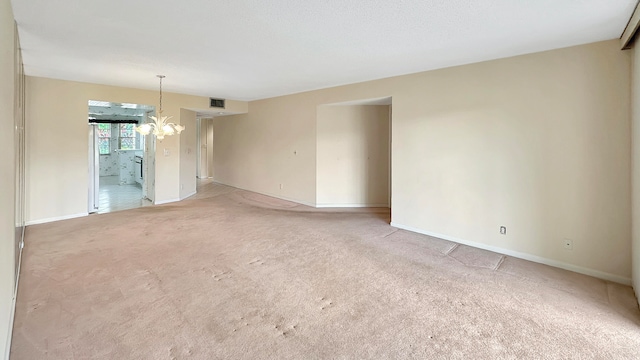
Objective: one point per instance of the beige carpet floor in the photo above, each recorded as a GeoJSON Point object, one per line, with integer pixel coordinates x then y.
{"type": "Point", "coordinates": [238, 275]}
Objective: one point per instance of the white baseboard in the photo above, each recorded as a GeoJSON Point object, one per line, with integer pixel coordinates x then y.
{"type": "Point", "coordinates": [191, 194]}
{"type": "Point", "coordinates": [352, 205]}
{"type": "Point", "coordinates": [268, 194]}
{"type": "Point", "coordinates": [12, 316]}
{"type": "Point", "coordinates": [166, 201]}
{"type": "Point", "coordinates": [538, 259]}
{"type": "Point", "coordinates": [282, 198]}
{"type": "Point", "coordinates": [57, 218]}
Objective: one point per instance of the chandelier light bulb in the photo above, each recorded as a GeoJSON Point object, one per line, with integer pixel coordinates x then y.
{"type": "Point", "coordinates": [168, 130]}
{"type": "Point", "coordinates": [144, 129]}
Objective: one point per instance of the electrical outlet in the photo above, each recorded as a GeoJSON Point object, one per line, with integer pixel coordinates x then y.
{"type": "Point", "coordinates": [280, 186]}
{"type": "Point", "coordinates": [567, 244]}
{"type": "Point", "coordinates": [503, 230]}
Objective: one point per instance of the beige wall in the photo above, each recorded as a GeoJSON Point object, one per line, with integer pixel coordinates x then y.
{"type": "Point", "coordinates": [635, 167]}
{"type": "Point", "coordinates": [188, 146]}
{"type": "Point", "coordinates": [538, 143]}
{"type": "Point", "coordinates": [352, 155]}
{"type": "Point", "coordinates": [275, 143]}
{"type": "Point", "coordinates": [57, 145]}
{"type": "Point", "coordinates": [7, 174]}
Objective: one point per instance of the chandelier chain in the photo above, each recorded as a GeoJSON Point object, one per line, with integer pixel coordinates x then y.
{"type": "Point", "coordinates": [160, 76]}
{"type": "Point", "coordinates": [159, 125]}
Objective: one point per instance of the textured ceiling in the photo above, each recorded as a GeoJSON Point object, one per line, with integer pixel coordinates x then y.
{"type": "Point", "coordinates": [252, 49]}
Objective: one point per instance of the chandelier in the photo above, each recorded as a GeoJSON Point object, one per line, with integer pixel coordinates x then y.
{"type": "Point", "coordinates": [160, 126]}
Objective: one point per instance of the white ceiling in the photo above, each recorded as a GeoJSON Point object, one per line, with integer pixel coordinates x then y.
{"type": "Point", "coordinates": [377, 101]}
{"type": "Point", "coordinates": [253, 49]}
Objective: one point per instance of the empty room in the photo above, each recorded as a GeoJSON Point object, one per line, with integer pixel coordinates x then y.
{"type": "Point", "coordinates": [320, 180]}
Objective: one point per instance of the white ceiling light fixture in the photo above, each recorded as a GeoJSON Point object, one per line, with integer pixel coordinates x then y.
{"type": "Point", "coordinates": [160, 126]}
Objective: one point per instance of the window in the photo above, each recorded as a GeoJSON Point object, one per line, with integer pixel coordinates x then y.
{"type": "Point", "coordinates": [127, 137]}
{"type": "Point", "coordinates": [104, 138]}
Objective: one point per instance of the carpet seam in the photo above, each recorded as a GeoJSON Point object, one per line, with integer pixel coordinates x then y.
{"type": "Point", "coordinates": [502, 258]}
{"type": "Point", "coordinates": [455, 246]}
{"type": "Point", "coordinates": [391, 233]}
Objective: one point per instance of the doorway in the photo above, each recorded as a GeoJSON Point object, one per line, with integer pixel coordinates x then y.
{"type": "Point", "coordinates": [204, 135]}
{"type": "Point", "coordinates": [121, 161]}
{"type": "Point", "coordinates": [354, 154]}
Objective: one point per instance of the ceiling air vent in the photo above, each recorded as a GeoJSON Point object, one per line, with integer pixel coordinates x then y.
{"type": "Point", "coordinates": [216, 103]}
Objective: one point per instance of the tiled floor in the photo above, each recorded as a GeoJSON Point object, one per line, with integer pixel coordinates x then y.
{"type": "Point", "coordinates": [114, 197]}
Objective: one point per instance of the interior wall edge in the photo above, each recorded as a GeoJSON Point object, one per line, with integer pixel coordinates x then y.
{"type": "Point", "coordinates": [635, 172]}
{"type": "Point", "coordinates": [11, 157]}
{"type": "Point", "coordinates": [525, 256]}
